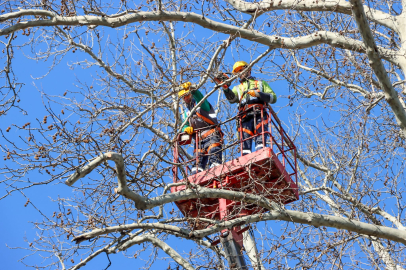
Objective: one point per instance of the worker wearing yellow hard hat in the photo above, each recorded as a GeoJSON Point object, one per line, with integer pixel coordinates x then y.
{"type": "Point", "coordinates": [204, 120]}
{"type": "Point", "coordinates": [251, 95]}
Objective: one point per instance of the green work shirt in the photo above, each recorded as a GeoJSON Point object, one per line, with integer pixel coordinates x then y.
{"type": "Point", "coordinates": [205, 106]}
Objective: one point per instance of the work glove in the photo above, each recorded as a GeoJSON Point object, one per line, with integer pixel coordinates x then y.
{"type": "Point", "coordinates": [253, 93]}
{"type": "Point", "coordinates": [220, 77]}
{"type": "Point", "coordinates": [189, 130]}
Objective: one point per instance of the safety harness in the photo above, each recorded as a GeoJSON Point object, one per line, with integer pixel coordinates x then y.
{"type": "Point", "coordinates": [241, 92]}
{"type": "Point", "coordinates": [209, 132]}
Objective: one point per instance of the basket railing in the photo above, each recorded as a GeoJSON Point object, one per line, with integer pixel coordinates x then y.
{"type": "Point", "coordinates": [275, 136]}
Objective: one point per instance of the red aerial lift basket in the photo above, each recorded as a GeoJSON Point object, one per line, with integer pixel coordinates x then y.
{"type": "Point", "coordinates": [270, 172]}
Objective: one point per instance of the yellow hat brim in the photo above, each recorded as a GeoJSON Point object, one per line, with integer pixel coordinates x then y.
{"type": "Point", "coordinates": [183, 93]}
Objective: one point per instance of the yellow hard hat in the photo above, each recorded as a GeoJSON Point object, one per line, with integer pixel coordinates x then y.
{"type": "Point", "coordinates": [185, 90]}
{"type": "Point", "coordinates": [183, 93]}
{"type": "Point", "coordinates": [239, 65]}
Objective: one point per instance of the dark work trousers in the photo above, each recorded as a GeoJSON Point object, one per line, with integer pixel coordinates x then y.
{"type": "Point", "coordinates": [209, 152]}
{"type": "Point", "coordinates": [251, 125]}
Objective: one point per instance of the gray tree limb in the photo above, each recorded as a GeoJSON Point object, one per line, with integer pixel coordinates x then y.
{"type": "Point", "coordinates": [276, 213]}
{"type": "Point", "coordinates": [309, 218]}
{"type": "Point", "coordinates": [162, 245]}
{"type": "Point", "coordinates": [391, 96]}
{"type": "Point", "coordinates": [340, 6]}
{"type": "Point", "coordinates": [333, 39]}
{"type": "Point", "coordinates": [122, 188]}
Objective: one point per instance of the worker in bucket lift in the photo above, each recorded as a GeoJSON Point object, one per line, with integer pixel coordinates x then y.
{"type": "Point", "coordinates": [252, 95]}
{"type": "Point", "coordinates": [210, 140]}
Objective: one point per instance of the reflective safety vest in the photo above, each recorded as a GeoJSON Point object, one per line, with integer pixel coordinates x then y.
{"type": "Point", "coordinates": [247, 99]}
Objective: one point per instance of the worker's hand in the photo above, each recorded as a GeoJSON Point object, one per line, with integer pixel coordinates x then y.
{"type": "Point", "coordinates": [189, 130]}
{"type": "Point", "coordinates": [253, 93]}
{"type": "Point", "coordinates": [220, 78]}
{"type": "Point", "coordinates": [227, 85]}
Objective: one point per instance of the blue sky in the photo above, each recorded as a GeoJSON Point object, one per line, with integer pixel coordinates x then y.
{"type": "Point", "coordinates": [17, 223]}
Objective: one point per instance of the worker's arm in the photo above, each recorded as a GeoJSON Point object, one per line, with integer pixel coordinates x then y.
{"type": "Point", "coordinates": [185, 115]}
{"type": "Point", "coordinates": [198, 96]}
{"type": "Point", "coordinates": [231, 95]}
